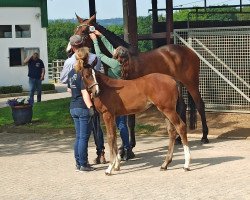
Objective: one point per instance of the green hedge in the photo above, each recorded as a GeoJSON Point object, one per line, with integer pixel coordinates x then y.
{"type": "Point", "coordinates": [11, 89]}
{"type": "Point", "coordinates": [19, 88]}
{"type": "Point", "coordinates": [48, 86]}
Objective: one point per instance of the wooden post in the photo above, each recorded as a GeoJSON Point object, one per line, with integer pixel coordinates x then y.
{"type": "Point", "coordinates": [154, 11]}
{"type": "Point", "coordinates": [155, 19]}
{"type": "Point", "coordinates": [92, 9]}
{"type": "Point", "coordinates": [130, 23]}
{"type": "Point", "coordinates": [169, 20]}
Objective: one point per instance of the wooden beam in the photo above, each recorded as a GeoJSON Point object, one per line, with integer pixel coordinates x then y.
{"type": "Point", "coordinates": [130, 23]}
{"type": "Point", "coordinates": [152, 36]}
{"type": "Point", "coordinates": [169, 14]}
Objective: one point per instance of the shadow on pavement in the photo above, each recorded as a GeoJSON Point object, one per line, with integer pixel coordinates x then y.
{"type": "Point", "coordinates": [153, 157]}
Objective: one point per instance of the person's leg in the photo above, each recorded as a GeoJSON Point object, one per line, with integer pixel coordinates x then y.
{"type": "Point", "coordinates": [131, 125]}
{"type": "Point", "coordinates": [121, 123]}
{"type": "Point", "coordinates": [39, 90]}
{"type": "Point", "coordinates": [77, 129]}
{"type": "Point", "coordinates": [32, 88]}
{"type": "Point", "coordinates": [83, 139]}
{"type": "Point", "coordinates": [99, 141]}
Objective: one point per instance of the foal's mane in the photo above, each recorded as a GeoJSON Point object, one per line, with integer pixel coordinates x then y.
{"type": "Point", "coordinates": [107, 81]}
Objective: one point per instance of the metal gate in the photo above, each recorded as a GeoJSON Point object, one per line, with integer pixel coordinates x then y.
{"type": "Point", "coordinates": [225, 65]}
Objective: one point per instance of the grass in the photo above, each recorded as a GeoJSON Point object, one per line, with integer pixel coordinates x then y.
{"type": "Point", "coordinates": [146, 128]}
{"type": "Point", "coordinates": [54, 115]}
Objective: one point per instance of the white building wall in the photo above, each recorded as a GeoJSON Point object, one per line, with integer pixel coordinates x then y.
{"type": "Point", "coordinates": [18, 75]}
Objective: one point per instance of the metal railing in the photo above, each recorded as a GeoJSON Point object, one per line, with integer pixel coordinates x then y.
{"type": "Point", "coordinates": [225, 65]}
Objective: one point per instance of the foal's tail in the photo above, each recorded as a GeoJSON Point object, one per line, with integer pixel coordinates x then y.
{"type": "Point", "coordinates": [192, 113]}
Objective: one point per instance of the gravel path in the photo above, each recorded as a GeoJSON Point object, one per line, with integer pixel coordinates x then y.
{"type": "Point", "coordinates": [41, 166]}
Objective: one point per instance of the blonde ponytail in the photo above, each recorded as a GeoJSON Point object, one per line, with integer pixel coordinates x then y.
{"type": "Point", "coordinates": [82, 57]}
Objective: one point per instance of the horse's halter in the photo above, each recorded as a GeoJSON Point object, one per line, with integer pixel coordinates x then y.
{"type": "Point", "coordinates": [80, 26]}
{"type": "Point", "coordinates": [95, 84]}
{"type": "Point", "coordinates": [84, 34]}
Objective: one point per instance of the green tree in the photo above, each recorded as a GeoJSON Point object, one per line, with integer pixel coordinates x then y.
{"type": "Point", "coordinates": [215, 14]}
{"type": "Point", "coordinates": [144, 27]}
{"type": "Point", "coordinates": [244, 16]}
{"type": "Point", "coordinates": [59, 32]}
{"type": "Point", "coordinates": [116, 29]}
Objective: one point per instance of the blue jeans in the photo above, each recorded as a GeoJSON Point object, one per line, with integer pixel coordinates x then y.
{"type": "Point", "coordinates": [35, 85]}
{"type": "Point", "coordinates": [121, 123]}
{"type": "Point", "coordinates": [98, 135]}
{"type": "Point", "coordinates": [81, 118]}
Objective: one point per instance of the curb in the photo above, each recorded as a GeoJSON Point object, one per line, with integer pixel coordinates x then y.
{"type": "Point", "coordinates": [25, 94]}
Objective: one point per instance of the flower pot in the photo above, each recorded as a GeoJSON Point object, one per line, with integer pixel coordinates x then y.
{"type": "Point", "coordinates": [22, 114]}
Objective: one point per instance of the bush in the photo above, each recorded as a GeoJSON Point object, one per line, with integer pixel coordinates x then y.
{"type": "Point", "coordinates": [48, 86]}
{"type": "Point", "coordinates": [11, 89]}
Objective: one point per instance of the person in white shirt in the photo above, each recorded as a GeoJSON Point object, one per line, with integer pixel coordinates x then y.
{"type": "Point", "coordinates": [76, 42]}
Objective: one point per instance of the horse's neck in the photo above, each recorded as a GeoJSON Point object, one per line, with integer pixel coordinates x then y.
{"type": "Point", "coordinates": [135, 67]}
{"type": "Point", "coordinates": [111, 37]}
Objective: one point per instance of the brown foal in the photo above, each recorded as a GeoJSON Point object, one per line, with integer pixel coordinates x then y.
{"type": "Point", "coordinates": [123, 97]}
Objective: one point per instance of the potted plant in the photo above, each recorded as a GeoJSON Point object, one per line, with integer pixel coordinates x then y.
{"type": "Point", "coordinates": [21, 110]}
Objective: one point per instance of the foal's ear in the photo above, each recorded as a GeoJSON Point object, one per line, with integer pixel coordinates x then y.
{"type": "Point", "coordinates": [80, 20]}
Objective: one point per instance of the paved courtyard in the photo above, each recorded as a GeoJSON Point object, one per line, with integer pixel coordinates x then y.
{"type": "Point", "coordinates": [41, 166]}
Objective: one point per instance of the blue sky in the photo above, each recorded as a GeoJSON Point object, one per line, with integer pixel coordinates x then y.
{"type": "Point", "coordinates": [58, 9]}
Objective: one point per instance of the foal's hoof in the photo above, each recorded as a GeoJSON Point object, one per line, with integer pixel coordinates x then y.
{"type": "Point", "coordinates": [117, 169]}
{"type": "Point", "coordinates": [108, 174]}
{"type": "Point", "coordinates": [186, 169]}
{"type": "Point", "coordinates": [204, 141]}
{"type": "Point", "coordinates": [163, 168]}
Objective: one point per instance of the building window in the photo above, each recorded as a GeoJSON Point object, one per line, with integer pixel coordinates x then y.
{"type": "Point", "coordinates": [17, 55]}
{"type": "Point", "coordinates": [5, 31]}
{"type": "Point", "coordinates": [22, 31]}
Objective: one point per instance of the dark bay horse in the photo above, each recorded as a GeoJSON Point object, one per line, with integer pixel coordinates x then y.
{"type": "Point", "coordinates": [114, 97]}
{"type": "Point", "coordinates": [177, 61]}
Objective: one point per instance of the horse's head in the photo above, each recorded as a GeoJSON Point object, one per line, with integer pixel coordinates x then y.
{"type": "Point", "coordinates": [89, 78]}
{"type": "Point", "coordinates": [83, 30]}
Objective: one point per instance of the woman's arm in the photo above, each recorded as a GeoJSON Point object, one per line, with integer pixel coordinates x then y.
{"type": "Point", "coordinates": [86, 98]}
{"type": "Point", "coordinates": [112, 63]}
{"type": "Point", "coordinates": [106, 43]}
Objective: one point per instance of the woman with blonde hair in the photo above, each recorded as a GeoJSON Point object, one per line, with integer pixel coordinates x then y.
{"type": "Point", "coordinates": [81, 109]}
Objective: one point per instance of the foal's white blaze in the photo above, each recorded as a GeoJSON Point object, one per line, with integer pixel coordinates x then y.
{"type": "Point", "coordinates": [68, 47]}
{"type": "Point", "coordinates": [97, 86]}
{"type": "Point", "coordinates": [187, 156]}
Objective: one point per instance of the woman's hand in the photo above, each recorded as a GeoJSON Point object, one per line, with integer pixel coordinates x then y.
{"type": "Point", "coordinates": [97, 33]}
{"type": "Point", "coordinates": [92, 36]}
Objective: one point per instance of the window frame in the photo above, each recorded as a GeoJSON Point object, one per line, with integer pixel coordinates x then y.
{"type": "Point", "coordinates": [22, 31]}
{"type": "Point", "coordinates": [11, 32]}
